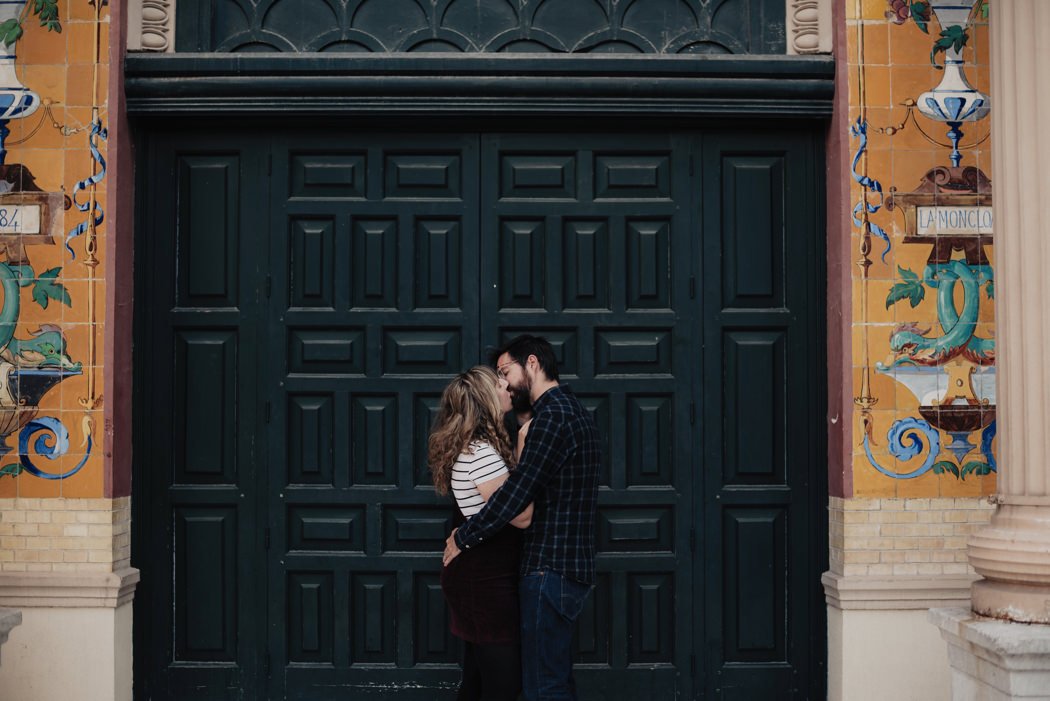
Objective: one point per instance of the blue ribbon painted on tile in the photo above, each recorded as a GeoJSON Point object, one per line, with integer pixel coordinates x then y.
{"type": "Point", "coordinates": [986, 445]}
{"type": "Point", "coordinates": [97, 132]}
{"type": "Point", "coordinates": [860, 129]}
{"type": "Point", "coordinates": [52, 445]}
{"type": "Point", "coordinates": [905, 442]}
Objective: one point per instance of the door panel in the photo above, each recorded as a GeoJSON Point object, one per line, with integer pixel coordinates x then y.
{"type": "Point", "coordinates": [761, 450]}
{"type": "Point", "coordinates": [373, 307]}
{"type": "Point", "coordinates": [586, 241]}
{"type": "Point", "coordinates": [198, 351]}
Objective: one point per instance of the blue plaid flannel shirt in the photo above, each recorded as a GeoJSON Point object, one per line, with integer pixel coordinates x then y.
{"type": "Point", "coordinates": [558, 470]}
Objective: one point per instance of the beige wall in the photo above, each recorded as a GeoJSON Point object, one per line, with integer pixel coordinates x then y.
{"type": "Point", "coordinates": [68, 654]}
{"type": "Point", "coordinates": [885, 656]}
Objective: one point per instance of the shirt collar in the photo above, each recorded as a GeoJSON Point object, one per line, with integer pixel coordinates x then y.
{"type": "Point", "coordinates": [549, 396]}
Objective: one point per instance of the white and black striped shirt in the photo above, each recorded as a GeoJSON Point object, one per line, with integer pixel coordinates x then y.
{"type": "Point", "coordinates": [472, 469]}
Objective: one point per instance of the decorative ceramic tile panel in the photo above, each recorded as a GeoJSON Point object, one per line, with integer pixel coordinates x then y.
{"type": "Point", "coordinates": [923, 233]}
{"type": "Point", "coordinates": [52, 233]}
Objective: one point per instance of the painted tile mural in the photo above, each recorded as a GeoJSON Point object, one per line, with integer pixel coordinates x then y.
{"type": "Point", "coordinates": [923, 234]}
{"type": "Point", "coordinates": [52, 224]}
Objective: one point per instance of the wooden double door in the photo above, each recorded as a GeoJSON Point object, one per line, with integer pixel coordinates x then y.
{"type": "Point", "coordinates": [303, 299]}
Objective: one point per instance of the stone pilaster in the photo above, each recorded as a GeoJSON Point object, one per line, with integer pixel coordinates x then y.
{"type": "Point", "coordinates": [1012, 553]}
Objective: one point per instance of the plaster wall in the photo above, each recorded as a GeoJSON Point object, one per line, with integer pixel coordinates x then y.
{"type": "Point", "coordinates": [91, 647]}
{"type": "Point", "coordinates": [880, 655]}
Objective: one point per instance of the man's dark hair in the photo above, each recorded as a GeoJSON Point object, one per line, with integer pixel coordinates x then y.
{"type": "Point", "coordinates": [521, 347]}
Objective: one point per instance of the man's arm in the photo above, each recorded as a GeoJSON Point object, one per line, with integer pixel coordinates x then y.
{"type": "Point", "coordinates": [544, 452]}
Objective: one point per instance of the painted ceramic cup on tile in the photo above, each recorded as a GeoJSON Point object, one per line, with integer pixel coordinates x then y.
{"type": "Point", "coordinates": [954, 100]}
{"type": "Point", "coordinates": [16, 100]}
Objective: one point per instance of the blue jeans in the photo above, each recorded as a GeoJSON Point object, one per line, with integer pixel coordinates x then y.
{"type": "Point", "coordinates": [550, 604]}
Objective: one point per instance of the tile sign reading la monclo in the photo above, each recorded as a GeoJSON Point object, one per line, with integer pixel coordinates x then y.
{"type": "Point", "coordinates": [954, 221]}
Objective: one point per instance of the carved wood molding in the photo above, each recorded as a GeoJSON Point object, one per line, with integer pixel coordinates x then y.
{"type": "Point", "coordinates": [561, 86]}
{"type": "Point", "coordinates": [809, 29]}
{"type": "Point", "coordinates": [151, 25]}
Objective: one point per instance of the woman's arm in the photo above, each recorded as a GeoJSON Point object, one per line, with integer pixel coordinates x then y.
{"type": "Point", "coordinates": [488, 488]}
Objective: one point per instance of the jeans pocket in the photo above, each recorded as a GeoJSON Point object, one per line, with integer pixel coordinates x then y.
{"type": "Point", "coordinates": [565, 596]}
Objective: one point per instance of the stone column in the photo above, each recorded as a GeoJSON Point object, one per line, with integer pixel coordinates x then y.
{"type": "Point", "coordinates": [1012, 553]}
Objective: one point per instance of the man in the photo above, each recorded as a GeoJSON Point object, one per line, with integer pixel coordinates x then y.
{"type": "Point", "coordinates": [558, 470]}
{"type": "Point", "coordinates": [521, 405]}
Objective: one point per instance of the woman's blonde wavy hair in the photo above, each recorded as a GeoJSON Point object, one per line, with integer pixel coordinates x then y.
{"type": "Point", "coordinates": [470, 411]}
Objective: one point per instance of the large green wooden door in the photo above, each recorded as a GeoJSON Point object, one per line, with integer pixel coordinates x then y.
{"type": "Point", "coordinates": [306, 299]}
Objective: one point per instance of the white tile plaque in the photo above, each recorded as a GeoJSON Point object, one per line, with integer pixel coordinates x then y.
{"type": "Point", "coordinates": [954, 221]}
{"type": "Point", "coordinates": [19, 219]}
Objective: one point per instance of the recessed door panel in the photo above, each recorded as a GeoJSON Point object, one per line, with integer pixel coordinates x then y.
{"type": "Point", "coordinates": [199, 414]}
{"type": "Point", "coordinates": [761, 313]}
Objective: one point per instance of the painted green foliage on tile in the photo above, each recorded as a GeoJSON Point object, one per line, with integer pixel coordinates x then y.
{"type": "Point", "coordinates": [47, 347]}
{"type": "Point", "coordinates": [911, 289]}
{"type": "Point", "coordinates": [11, 30]}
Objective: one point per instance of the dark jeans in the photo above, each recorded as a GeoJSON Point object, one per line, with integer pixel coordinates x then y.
{"type": "Point", "coordinates": [550, 604]}
{"type": "Point", "coordinates": [491, 672]}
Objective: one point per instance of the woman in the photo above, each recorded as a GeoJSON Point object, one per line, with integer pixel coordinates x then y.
{"type": "Point", "coordinates": [470, 455]}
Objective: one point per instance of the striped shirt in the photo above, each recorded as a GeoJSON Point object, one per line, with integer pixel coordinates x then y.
{"type": "Point", "coordinates": [559, 470]}
{"type": "Point", "coordinates": [470, 470]}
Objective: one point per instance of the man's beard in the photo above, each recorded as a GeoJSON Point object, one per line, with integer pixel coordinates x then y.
{"type": "Point", "coordinates": [521, 401]}
{"type": "Point", "coordinates": [521, 395]}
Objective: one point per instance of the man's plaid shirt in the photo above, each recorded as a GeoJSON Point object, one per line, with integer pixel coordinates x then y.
{"type": "Point", "coordinates": [558, 470]}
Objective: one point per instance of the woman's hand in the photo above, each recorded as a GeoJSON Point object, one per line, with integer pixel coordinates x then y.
{"type": "Point", "coordinates": [451, 549]}
{"type": "Point", "coordinates": [524, 519]}
{"type": "Point", "coordinates": [519, 445]}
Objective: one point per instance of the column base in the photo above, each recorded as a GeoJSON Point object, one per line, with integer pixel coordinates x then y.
{"type": "Point", "coordinates": [993, 660]}
{"type": "Point", "coordinates": [1011, 602]}
{"type": "Point", "coordinates": [1012, 553]}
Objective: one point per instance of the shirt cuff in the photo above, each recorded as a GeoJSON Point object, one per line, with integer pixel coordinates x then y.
{"type": "Point", "coordinates": [459, 541]}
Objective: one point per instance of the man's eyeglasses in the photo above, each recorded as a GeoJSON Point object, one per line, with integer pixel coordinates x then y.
{"type": "Point", "coordinates": [501, 370]}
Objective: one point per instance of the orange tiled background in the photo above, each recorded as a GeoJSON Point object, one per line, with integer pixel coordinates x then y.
{"type": "Point", "coordinates": [893, 64]}
{"type": "Point", "coordinates": [61, 68]}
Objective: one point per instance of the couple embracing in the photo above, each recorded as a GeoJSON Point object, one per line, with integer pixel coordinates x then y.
{"type": "Point", "coordinates": [520, 564]}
